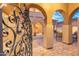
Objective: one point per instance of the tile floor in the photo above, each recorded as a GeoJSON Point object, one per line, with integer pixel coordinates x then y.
{"type": "Point", "coordinates": [59, 48]}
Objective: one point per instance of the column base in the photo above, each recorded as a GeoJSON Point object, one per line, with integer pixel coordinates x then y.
{"type": "Point", "coordinates": [67, 43]}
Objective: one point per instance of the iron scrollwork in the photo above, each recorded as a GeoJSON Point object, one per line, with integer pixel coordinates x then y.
{"type": "Point", "coordinates": [18, 39]}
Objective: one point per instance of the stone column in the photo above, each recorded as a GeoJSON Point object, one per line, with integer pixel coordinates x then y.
{"type": "Point", "coordinates": [1, 40]}
{"type": "Point", "coordinates": [67, 30]}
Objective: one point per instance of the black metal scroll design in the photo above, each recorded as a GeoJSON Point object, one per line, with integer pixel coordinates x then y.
{"type": "Point", "coordinates": [21, 41]}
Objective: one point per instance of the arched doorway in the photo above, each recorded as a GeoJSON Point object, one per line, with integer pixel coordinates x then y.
{"type": "Point", "coordinates": [75, 17]}
{"type": "Point", "coordinates": [58, 20]}
{"type": "Point", "coordinates": [38, 22]}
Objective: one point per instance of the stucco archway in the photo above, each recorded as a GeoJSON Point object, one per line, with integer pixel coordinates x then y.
{"type": "Point", "coordinates": [42, 21]}
{"type": "Point", "coordinates": [58, 24]}
{"type": "Point", "coordinates": [74, 25]}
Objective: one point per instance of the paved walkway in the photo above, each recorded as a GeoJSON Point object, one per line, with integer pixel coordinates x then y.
{"type": "Point", "coordinates": [59, 48]}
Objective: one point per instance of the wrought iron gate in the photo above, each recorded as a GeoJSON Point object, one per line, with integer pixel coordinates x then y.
{"type": "Point", "coordinates": [17, 33]}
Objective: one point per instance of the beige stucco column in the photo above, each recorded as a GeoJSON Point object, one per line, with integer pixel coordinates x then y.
{"type": "Point", "coordinates": [67, 30]}
{"type": "Point", "coordinates": [48, 35]}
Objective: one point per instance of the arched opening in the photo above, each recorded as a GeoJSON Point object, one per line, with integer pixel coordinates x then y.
{"type": "Point", "coordinates": [38, 22]}
{"type": "Point", "coordinates": [58, 20]}
{"type": "Point", "coordinates": [74, 18]}
{"type": "Point", "coordinates": [40, 9]}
